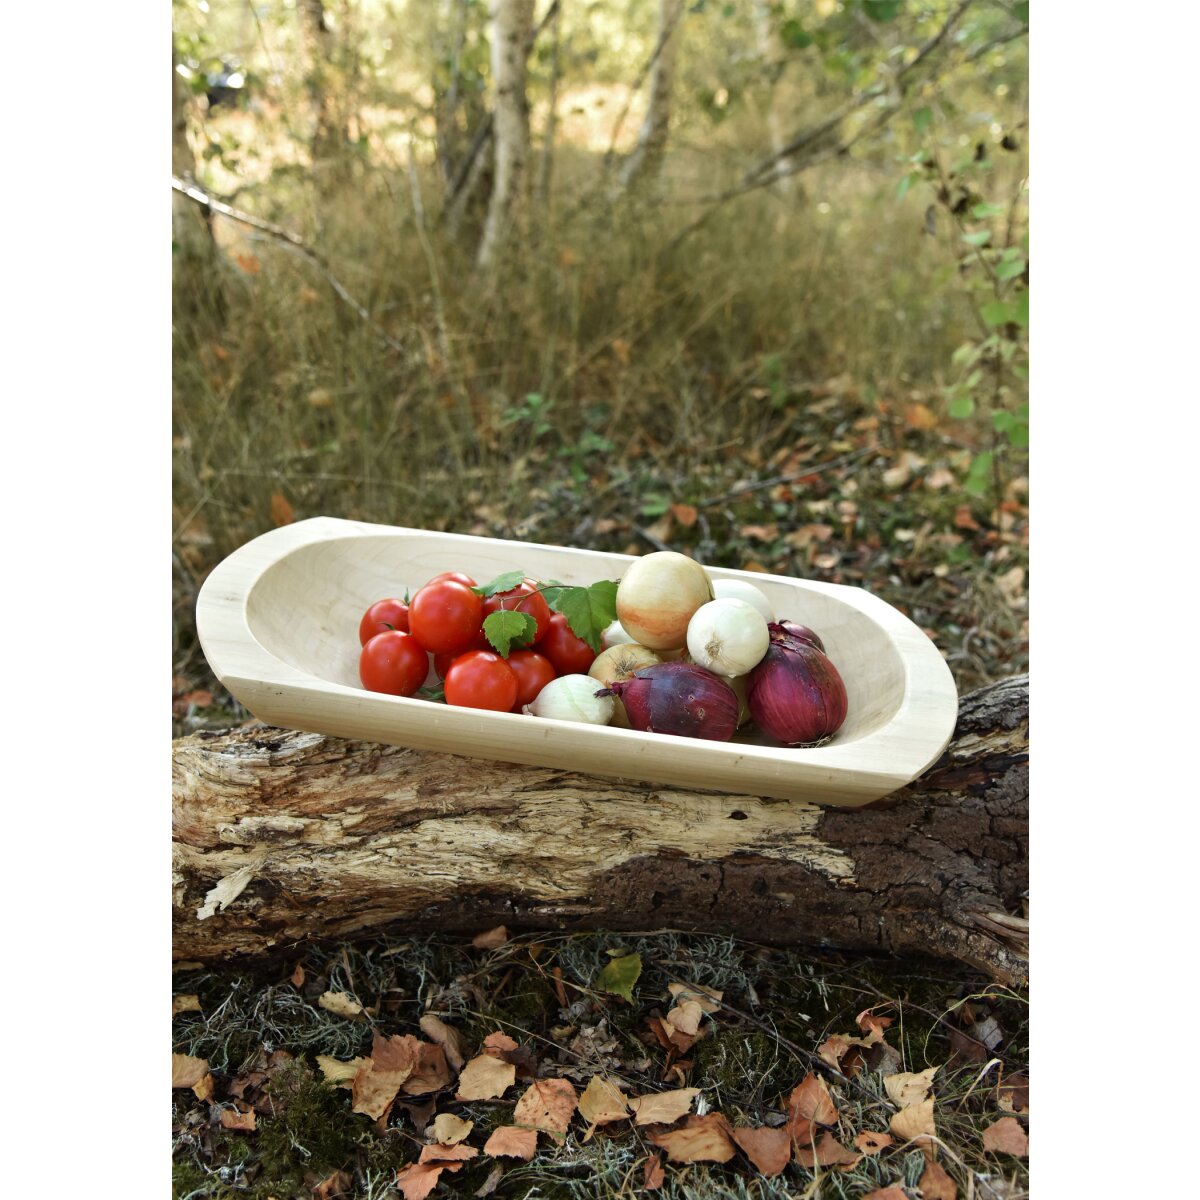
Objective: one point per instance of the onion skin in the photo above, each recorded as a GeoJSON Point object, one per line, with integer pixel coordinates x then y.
{"type": "Point", "coordinates": [657, 596]}
{"type": "Point", "coordinates": [784, 630]}
{"type": "Point", "coordinates": [615, 665]}
{"type": "Point", "coordinates": [796, 695]}
{"type": "Point", "coordinates": [680, 699]}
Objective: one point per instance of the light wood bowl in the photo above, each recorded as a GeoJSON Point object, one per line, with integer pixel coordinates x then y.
{"type": "Point", "coordinates": [278, 621]}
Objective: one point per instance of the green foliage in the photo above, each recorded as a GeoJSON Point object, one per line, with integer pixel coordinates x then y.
{"type": "Point", "coordinates": [589, 610]}
{"type": "Point", "coordinates": [506, 630]}
{"type": "Point", "coordinates": [619, 976]}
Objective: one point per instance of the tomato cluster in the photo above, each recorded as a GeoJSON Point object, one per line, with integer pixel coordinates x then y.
{"type": "Point", "coordinates": [444, 622]}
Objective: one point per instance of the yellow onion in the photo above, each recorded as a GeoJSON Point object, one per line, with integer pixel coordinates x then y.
{"type": "Point", "coordinates": [617, 664]}
{"type": "Point", "coordinates": [657, 596]}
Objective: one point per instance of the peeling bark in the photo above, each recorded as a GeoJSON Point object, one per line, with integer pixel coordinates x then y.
{"type": "Point", "coordinates": [284, 837]}
{"type": "Point", "coordinates": [642, 168]}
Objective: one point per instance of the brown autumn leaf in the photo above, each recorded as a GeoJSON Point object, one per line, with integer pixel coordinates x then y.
{"type": "Point", "coordinates": [906, 1087]}
{"type": "Point", "coordinates": [843, 1052]}
{"type": "Point", "coordinates": [662, 1108]}
{"type": "Point", "coordinates": [498, 1044]}
{"type": "Point", "coordinates": [940, 478]}
{"type": "Point", "coordinates": [892, 1192]}
{"type": "Point", "coordinates": [809, 1105]}
{"type": "Point", "coordinates": [507, 1141]}
{"type": "Point", "coordinates": [769, 1150]}
{"type": "Point", "coordinates": [204, 1089]}
{"type": "Point", "coordinates": [281, 511]}
{"type": "Point", "coordinates": [686, 1017]}
{"type": "Point", "coordinates": [700, 1139]}
{"type": "Point", "coordinates": [485, 1077]}
{"type": "Point", "coordinates": [870, 1142]}
{"type": "Point", "coordinates": [490, 939]}
{"type": "Point", "coordinates": [936, 1183]}
{"type": "Point", "coordinates": [436, 1152]}
{"type": "Point", "coordinates": [418, 1180]}
{"type": "Point", "coordinates": [1006, 1136]}
{"type": "Point", "coordinates": [249, 263]}
{"type": "Point", "coordinates": [685, 514]}
{"type": "Point", "coordinates": [188, 1072]}
{"type": "Point", "coordinates": [917, 416]}
{"type": "Point", "coordinates": [708, 998]}
{"type": "Point", "coordinates": [873, 1027]}
{"type": "Point", "coordinates": [298, 976]}
{"type": "Point", "coordinates": [828, 1152]}
{"type": "Point", "coordinates": [231, 1118]}
{"type": "Point", "coordinates": [963, 518]}
{"type": "Point", "coordinates": [186, 1003]}
{"type": "Point", "coordinates": [1013, 1094]}
{"type": "Point", "coordinates": [602, 1102]}
{"type": "Point", "coordinates": [655, 1175]}
{"type": "Point", "coordinates": [449, 1129]}
{"type": "Point", "coordinates": [547, 1105]}
{"type": "Point", "coordinates": [915, 1123]}
{"type": "Point", "coordinates": [340, 1183]}
{"type": "Point", "coordinates": [341, 1004]}
{"type": "Point", "coordinates": [382, 1075]}
{"type": "Point", "coordinates": [430, 1071]}
{"type": "Point", "coordinates": [446, 1036]}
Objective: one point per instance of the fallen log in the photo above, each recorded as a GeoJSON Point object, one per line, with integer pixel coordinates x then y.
{"type": "Point", "coordinates": [282, 838]}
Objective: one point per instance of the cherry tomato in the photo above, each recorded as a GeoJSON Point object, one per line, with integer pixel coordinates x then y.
{"type": "Point", "coordinates": [393, 662]}
{"type": "Point", "coordinates": [533, 672]}
{"type": "Point", "coordinates": [441, 662]}
{"type": "Point", "coordinates": [382, 616]}
{"type": "Point", "coordinates": [481, 679]}
{"type": "Point", "coordinates": [445, 616]}
{"type": "Point", "coordinates": [569, 654]}
{"type": "Point", "coordinates": [523, 598]}
{"type": "Point", "coordinates": [457, 576]}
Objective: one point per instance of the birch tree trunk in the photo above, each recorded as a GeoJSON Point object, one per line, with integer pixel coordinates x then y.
{"type": "Point", "coordinates": [282, 838]}
{"type": "Point", "coordinates": [511, 28]}
{"type": "Point", "coordinates": [642, 168]}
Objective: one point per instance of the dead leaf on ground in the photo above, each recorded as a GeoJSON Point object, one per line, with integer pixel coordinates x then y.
{"type": "Point", "coordinates": [870, 1142]}
{"type": "Point", "coordinates": [686, 1017]}
{"type": "Point", "coordinates": [187, 1003]}
{"type": "Point", "coordinates": [341, 1004]}
{"type": "Point", "coordinates": [298, 982]}
{"type": "Point", "coordinates": [340, 1183]}
{"type": "Point", "coordinates": [382, 1075]}
{"type": "Point", "coordinates": [908, 1087]}
{"type": "Point", "coordinates": [915, 1122]}
{"type": "Point", "coordinates": [491, 939]}
{"type": "Point", "coordinates": [547, 1105]}
{"type": "Point", "coordinates": [843, 1052]}
{"type": "Point", "coordinates": [655, 1175]}
{"type": "Point", "coordinates": [418, 1180]}
{"type": "Point", "coordinates": [769, 1150]}
{"type": "Point", "coordinates": [430, 1071]}
{"type": "Point", "coordinates": [446, 1036]}
{"type": "Point", "coordinates": [700, 1139]}
{"type": "Point", "coordinates": [936, 1183]}
{"type": "Point", "coordinates": [810, 1105]}
{"type": "Point", "coordinates": [892, 1192]}
{"type": "Point", "coordinates": [828, 1152]}
{"type": "Point", "coordinates": [1013, 1094]}
{"type": "Point", "coordinates": [1006, 1136]}
{"type": "Point", "coordinates": [497, 1044]}
{"type": "Point", "coordinates": [602, 1102]}
{"type": "Point", "coordinates": [662, 1108]}
{"type": "Point", "coordinates": [232, 1118]}
{"type": "Point", "coordinates": [918, 416]}
{"type": "Point", "coordinates": [436, 1152]}
{"type": "Point", "coordinates": [873, 1027]}
{"type": "Point", "coordinates": [340, 1074]}
{"type": "Point", "coordinates": [485, 1077]}
{"type": "Point", "coordinates": [449, 1129]}
{"type": "Point", "coordinates": [507, 1141]}
{"type": "Point", "coordinates": [706, 997]}
{"type": "Point", "coordinates": [282, 512]}
{"type": "Point", "coordinates": [189, 1072]}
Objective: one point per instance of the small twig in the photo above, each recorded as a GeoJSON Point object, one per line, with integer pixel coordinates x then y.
{"type": "Point", "coordinates": [194, 192]}
{"type": "Point", "coordinates": [816, 469]}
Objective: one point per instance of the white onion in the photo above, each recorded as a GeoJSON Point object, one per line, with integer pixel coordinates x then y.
{"type": "Point", "coordinates": [728, 637]}
{"type": "Point", "coordinates": [657, 596]}
{"type": "Point", "coordinates": [572, 698]}
{"type": "Point", "coordinates": [615, 635]}
{"type": "Point", "coordinates": [739, 589]}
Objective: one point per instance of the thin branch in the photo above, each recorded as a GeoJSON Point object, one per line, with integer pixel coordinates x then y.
{"type": "Point", "coordinates": [194, 192]}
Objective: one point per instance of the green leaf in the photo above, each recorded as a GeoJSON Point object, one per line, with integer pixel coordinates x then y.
{"type": "Point", "coordinates": [982, 211]}
{"type": "Point", "coordinates": [792, 33]}
{"type": "Point", "coordinates": [1018, 435]}
{"type": "Point", "coordinates": [589, 610]}
{"type": "Point", "coordinates": [1022, 317]}
{"type": "Point", "coordinates": [502, 583]}
{"type": "Point", "coordinates": [962, 406]}
{"type": "Point", "coordinates": [1002, 422]}
{"type": "Point", "coordinates": [882, 10]}
{"type": "Point", "coordinates": [618, 977]}
{"type": "Point", "coordinates": [905, 183]}
{"type": "Point", "coordinates": [922, 119]}
{"type": "Point", "coordinates": [1010, 268]}
{"type": "Point", "coordinates": [998, 312]}
{"type": "Point", "coordinates": [1020, 10]}
{"type": "Point", "coordinates": [968, 352]}
{"type": "Point", "coordinates": [979, 237]}
{"type": "Point", "coordinates": [434, 691]}
{"type": "Point", "coordinates": [507, 627]}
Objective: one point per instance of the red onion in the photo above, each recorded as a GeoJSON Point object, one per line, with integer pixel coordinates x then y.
{"type": "Point", "coordinates": [783, 630]}
{"type": "Point", "coordinates": [796, 695]}
{"type": "Point", "coordinates": [678, 698]}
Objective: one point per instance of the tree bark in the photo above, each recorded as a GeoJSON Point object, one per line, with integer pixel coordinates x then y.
{"type": "Point", "coordinates": [511, 27]}
{"type": "Point", "coordinates": [283, 837]}
{"type": "Point", "coordinates": [195, 257]}
{"type": "Point", "coordinates": [642, 168]}
{"type": "Point", "coordinates": [774, 58]}
{"type": "Point", "coordinates": [328, 133]}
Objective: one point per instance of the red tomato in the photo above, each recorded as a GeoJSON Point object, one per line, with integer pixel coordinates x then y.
{"type": "Point", "coordinates": [481, 679]}
{"type": "Point", "coordinates": [441, 662]}
{"type": "Point", "coordinates": [382, 616]}
{"type": "Point", "coordinates": [533, 672]}
{"type": "Point", "coordinates": [457, 576]}
{"type": "Point", "coordinates": [445, 616]}
{"type": "Point", "coordinates": [523, 598]}
{"type": "Point", "coordinates": [570, 655]}
{"type": "Point", "coordinates": [393, 662]}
